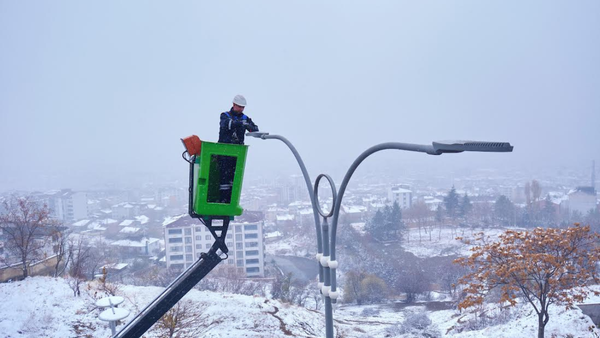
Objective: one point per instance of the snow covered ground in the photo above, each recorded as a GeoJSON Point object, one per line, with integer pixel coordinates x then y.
{"type": "Point", "coordinates": [45, 307]}
{"type": "Point", "coordinates": [443, 242]}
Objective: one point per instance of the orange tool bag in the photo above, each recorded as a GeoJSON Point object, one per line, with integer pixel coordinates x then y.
{"type": "Point", "coordinates": [192, 145]}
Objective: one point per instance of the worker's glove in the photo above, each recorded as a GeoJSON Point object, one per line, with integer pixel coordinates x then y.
{"type": "Point", "coordinates": [238, 123]}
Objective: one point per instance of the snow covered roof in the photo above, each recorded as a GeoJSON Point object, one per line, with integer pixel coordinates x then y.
{"type": "Point", "coordinates": [116, 266]}
{"type": "Point", "coordinates": [298, 204]}
{"type": "Point", "coordinates": [305, 212]}
{"type": "Point", "coordinates": [126, 222]}
{"type": "Point", "coordinates": [142, 219]}
{"type": "Point", "coordinates": [377, 205]}
{"type": "Point", "coordinates": [401, 190]}
{"type": "Point", "coordinates": [129, 230]}
{"type": "Point", "coordinates": [354, 209]}
{"type": "Point", "coordinates": [81, 223]}
{"type": "Point", "coordinates": [273, 235]}
{"type": "Point", "coordinates": [285, 217]}
{"type": "Point", "coordinates": [584, 190]}
{"type": "Point", "coordinates": [172, 219]}
{"type": "Point", "coordinates": [134, 244]}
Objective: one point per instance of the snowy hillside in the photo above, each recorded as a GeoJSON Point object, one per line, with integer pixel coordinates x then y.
{"type": "Point", "coordinates": [45, 307]}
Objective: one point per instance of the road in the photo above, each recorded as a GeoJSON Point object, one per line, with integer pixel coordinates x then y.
{"type": "Point", "coordinates": [302, 269]}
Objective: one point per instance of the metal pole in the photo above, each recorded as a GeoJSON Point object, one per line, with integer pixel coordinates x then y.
{"type": "Point", "coordinates": [327, 284]}
{"type": "Point", "coordinates": [324, 261]}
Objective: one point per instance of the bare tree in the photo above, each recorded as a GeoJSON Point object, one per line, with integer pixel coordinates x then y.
{"type": "Point", "coordinates": [25, 224]}
{"type": "Point", "coordinates": [182, 321]}
{"type": "Point", "coordinates": [60, 249]}
{"type": "Point", "coordinates": [419, 214]}
{"type": "Point", "coordinates": [80, 254]}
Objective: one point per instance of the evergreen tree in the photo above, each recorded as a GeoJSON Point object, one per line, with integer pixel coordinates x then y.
{"type": "Point", "coordinates": [376, 225]}
{"type": "Point", "coordinates": [504, 210]}
{"type": "Point", "coordinates": [394, 224]}
{"type": "Point", "coordinates": [439, 213]}
{"type": "Point", "coordinates": [452, 203]}
{"type": "Point", "coordinates": [548, 213]}
{"type": "Point", "coordinates": [465, 206]}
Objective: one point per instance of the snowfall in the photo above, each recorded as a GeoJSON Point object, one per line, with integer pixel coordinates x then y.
{"type": "Point", "coordinates": [46, 307]}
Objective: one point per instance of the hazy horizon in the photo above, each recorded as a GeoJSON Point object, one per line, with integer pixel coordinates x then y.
{"type": "Point", "coordinates": [98, 91]}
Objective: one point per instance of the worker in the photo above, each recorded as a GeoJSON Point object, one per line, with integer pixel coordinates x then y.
{"type": "Point", "coordinates": [234, 123]}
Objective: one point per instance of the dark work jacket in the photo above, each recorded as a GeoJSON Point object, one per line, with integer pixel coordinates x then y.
{"type": "Point", "coordinates": [233, 127]}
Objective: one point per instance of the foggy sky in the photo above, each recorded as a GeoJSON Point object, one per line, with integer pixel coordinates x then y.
{"type": "Point", "coordinates": [104, 89]}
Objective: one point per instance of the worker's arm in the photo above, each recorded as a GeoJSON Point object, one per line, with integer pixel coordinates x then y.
{"type": "Point", "coordinates": [250, 126]}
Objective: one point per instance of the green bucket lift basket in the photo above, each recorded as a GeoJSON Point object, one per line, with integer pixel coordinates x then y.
{"type": "Point", "coordinates": [205, 193]}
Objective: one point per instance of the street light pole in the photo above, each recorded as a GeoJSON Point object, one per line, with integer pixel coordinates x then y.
{"type": "Point", "coordinates": [326, 245]}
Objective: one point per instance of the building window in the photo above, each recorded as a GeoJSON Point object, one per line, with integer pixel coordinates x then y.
{"type": "Point", "coordinates": [188, 248]}
{"type": "Point", "coordinates": [176, 257]}
{"type": "Point", "coordinates": [238, 228]}
{"type": "Point", "coordinates": [198, 246]}
{"type": "Point", "coordinates": [252, 253]}
{"type": "Point", "coordinates": [207, 246]}
{"type": "Point", "coordinates": [189, 257]}
{"type": "Point", "coordinates": [230, 244]}
{"type": "Point", "coordinates": [176, 248]}
{"type": "Point", "coordinates": [238, 237]}
{"type": "Point", "coordinates": [208, 237]}
{"type": "Point", "coordinates": [252, 270]}
{"type": "Point", "coordinates": [252, 261]}
{"type": "Point", "coordinates": [198, 229]}
{"type": "Point", "coordinates": [239, 254]}
{"type": "Point", "coordinates": [230, 261]}
{"type": "Point", "coordinates": [174, 231]}
{"type": "Point", "coordinates": [198, 238]}
{"type": "Point", "coordinates": [229, 236]}
{"type": "Point", "coordinates": [250, 236]}
{"type": "Point", "coordinates": [177, 266]}
{"type": "Point", "coordinates": [188, 240]}
{"type": "Point", "coordinates": [239, 246]}
{"type": "Point", "coordinates": [252, 245]}
{"type": "Point", "coordinates": [239, 262]}
{"type": "Point", "coordinates": [176, 240]}
{"type": "Point", "coordinates": [188, 232]}
{"type": "Point", "coordinates": [250, 227]}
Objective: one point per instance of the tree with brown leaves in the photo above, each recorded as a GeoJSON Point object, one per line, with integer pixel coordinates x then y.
{"type": "Point", "coordinates": [26, 225]}
{"type": "Point", "coordinates": [543, 267]}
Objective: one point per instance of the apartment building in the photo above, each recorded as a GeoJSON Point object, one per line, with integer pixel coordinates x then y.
{"type": "Point", "coordinates": [66, 205]}
{"type": "Point", "coordinates": [186, 238]}
{"type": "Point", "coordinates": [401, 195]}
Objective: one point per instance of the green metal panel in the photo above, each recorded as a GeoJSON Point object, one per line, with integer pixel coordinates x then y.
{"type": "Point", "coordinates": [207, 184]}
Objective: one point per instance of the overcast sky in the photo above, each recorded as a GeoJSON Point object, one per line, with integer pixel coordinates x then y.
{"type": "Point", "coordinates": [107, 88]}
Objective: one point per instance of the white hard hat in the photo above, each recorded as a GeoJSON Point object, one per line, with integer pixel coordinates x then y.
{"type": "Point", "coordinates": [240, 100]}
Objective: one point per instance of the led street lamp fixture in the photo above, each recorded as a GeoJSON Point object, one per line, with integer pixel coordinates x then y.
{"type": "Point", "coordinates": [454, 146]}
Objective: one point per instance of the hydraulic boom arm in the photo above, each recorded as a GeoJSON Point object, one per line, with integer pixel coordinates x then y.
{"type": "Point", "coordinates": [172, 294]}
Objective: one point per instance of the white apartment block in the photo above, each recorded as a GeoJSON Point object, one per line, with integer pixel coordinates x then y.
{"type": "Point", "coordinates": [400, 195]}
{"type": "Point", "coordinates": [186, 238]}
{"type": "Point", "coordinates": [67, 205]}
